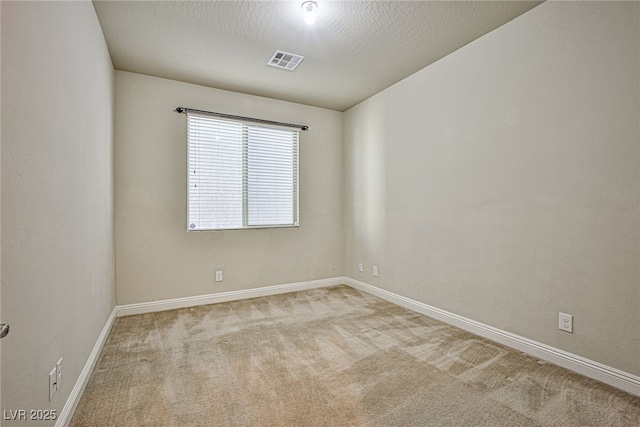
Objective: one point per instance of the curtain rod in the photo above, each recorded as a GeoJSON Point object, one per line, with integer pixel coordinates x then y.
{"type": "Point", "coordinates": [186, 110]}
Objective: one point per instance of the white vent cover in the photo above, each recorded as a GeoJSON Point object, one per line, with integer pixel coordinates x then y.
{"type": "Point", "coordinates": [286, 60]}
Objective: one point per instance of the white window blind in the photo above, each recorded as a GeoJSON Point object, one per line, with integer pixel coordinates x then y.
{"type": "Point", "coordinates": [241, 175]}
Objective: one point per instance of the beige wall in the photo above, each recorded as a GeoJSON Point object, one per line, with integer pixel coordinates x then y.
{"type": "Point", "coordinates": [57, 196]}
{"type": "Point", "coordinates": [1, 321]}
{"type": "Point", "coordinates": [502, 182]}
{"type": "Point", "coordinates": [155, 256]}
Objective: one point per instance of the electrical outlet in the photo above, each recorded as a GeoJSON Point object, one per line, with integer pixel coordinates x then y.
{"type": "Point", "coordinates": [360, 267]}
{"type": "Point", "coordinates": [375, 271]}
{"type": "Point", "coordinates": [565, 322]}
{"type": "Point", "coordinates": [59, 373]}
{"type": "Point", "coordinates": [219, 276]}
{"type": "Point", "coordinates": [53, 385]}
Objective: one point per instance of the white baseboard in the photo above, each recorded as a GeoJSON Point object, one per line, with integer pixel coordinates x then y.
{"type": "Point", "coordinates": [172, 304]}
{"type": "Point", "coordinates": [606, 374]}
{"type": "Point", "coordinates": [69, 408]}
{"type": "Point", "coordinates": [589, 368]}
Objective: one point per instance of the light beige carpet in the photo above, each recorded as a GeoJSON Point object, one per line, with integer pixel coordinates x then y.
{"type": "Point", "coordinates": [329, 357]}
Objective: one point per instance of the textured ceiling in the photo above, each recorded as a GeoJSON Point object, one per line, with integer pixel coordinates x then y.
{"type": "Point", "coordinates": [353, 50]}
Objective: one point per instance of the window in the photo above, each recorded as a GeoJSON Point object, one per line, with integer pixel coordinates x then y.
{"type": "Point", "coordinates": [241, 175]}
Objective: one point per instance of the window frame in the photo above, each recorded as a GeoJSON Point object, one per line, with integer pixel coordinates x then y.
{"type": "Point", "coordinates": [245, 177]}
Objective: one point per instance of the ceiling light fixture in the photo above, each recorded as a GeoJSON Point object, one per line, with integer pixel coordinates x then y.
{"type": "Point", "coordinates": [309, 10]}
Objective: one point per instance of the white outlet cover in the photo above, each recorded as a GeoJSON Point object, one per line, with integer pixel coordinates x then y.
{"type": "Point", "coordinates": [59, 372]}
{"type": "Point", "coordinates": [219, 276]}
{"type": "Point", "coordinates": [360, 267]}
{"type": "Point", "coordinates": [565, 322]}
{"type": "Point", "coordinates": [53, 384]}
{"type": "Point", "coordinates": [375, 271]}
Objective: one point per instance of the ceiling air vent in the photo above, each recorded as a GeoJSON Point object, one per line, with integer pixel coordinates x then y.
{"type": "Point", "coordinates": [288, 61]}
